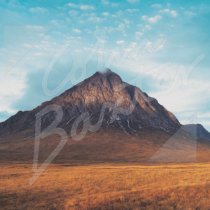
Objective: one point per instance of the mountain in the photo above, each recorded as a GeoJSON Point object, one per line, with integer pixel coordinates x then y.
{"type": "Point", "coordinates": [113, 120]}
{"type": "Point", "coordinates": [198, 131]}
{"type": "Point", "coordinates": [107, 100]}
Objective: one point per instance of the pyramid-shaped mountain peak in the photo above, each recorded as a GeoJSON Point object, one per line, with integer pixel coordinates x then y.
{"type": "Point", "coordinates": [106, 75]}
{"type": "Point", "coordinates": [103, 95]}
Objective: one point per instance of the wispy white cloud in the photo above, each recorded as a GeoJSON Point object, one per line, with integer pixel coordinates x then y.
{"type": "Point", "coordinates": [119, 42]}
{"type": "Point", "coordinates": [132, 1]}
{"type": "Point", "coordinates": [170, 12]}
{"type": "Point", "coordinates": [84, 7]}
{"type": "Point", "coordinates": [93, 18]}
{"type": "Point", "coordinates": [132, 11]}
{"type": "Point", "coordinates": [138, 34]}
{"type": "Point", "coordinates": [87, 7]}
{"type": "Point", "coordinates": [109, 3]}
{"type": "Point", "coordinates": [195, 116]}
{"type": "Point", "coordinates": [105, 2]}
{"type": "Point", "coordinates": [73, 5]}
{"type": "Point", "coordinates": [152, 19]}
{"type": "Point", "coordinates": [38, 10]}
{"type": "Point", "coordinates": [156, 6]}
{"type": "Point", "coordinates": [36, 28]}
{"type": "Point", "coordinates": [12, 86]}
{"type": "Point", "coordinates": [105, 14]}
{"type": "Point", "coordinates": [76, 30]}
{"type": "Point", "coordinates": [184, 96]}
{"type": "Point", "coordinates": [73, 13]}
{"type": "Point", "coordinates": [155, 46]}
{"type": "Point", "coordinates": [190, 13]}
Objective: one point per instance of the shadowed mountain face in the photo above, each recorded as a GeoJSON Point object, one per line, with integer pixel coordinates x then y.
{"type": "Point", "coordinates": [106, 102]}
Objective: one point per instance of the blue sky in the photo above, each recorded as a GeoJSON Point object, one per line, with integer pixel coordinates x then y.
{"type": "Point", "coordinates": [163, 47]}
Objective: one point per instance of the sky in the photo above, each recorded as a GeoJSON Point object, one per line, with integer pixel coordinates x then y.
{"type": "Point", "coordinates": [163, 47]}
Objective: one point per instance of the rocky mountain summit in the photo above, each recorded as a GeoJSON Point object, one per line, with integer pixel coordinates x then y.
{"type": "Point", "coordinates": [103, 100]}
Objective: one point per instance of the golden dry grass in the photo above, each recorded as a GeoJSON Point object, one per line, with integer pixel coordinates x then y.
{"type": "Point", "coordinates": [106, 186]}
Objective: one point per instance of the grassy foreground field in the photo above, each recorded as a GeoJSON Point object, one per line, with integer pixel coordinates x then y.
{"type": "Point", "coordinates": [106, 186]}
